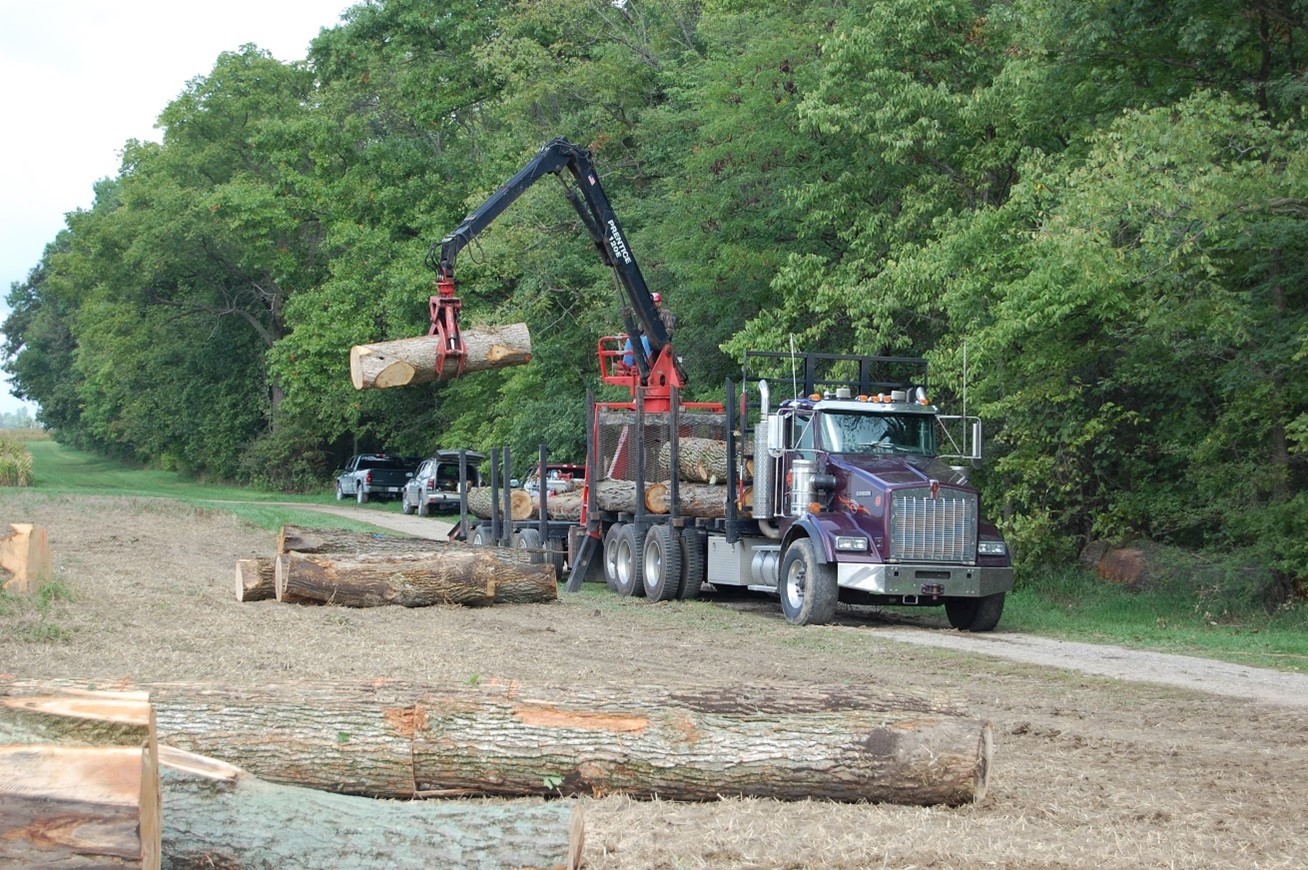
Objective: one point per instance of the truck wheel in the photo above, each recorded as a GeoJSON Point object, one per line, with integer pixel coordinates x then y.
{"type": "Point", "coordinates": [661, 573]}
{"type": "Point", "coordinates": [424, 509]}
{"type": "Point", "coordinates": [611, 555]}
{"type": "Point", "coordinates": [627, 561]}
{"type": "Point", "coordinates": [360, 496]}
{"type": "Point", "coordinates": [975, 614]}
{"type": "Point", "coordinates": [404, 503]}
{"type": "Point", "coordinates": [481, 536]}
{"type": "Point", "coordinates": [340, 493]}
{"type": "Point", "coordinates": [693, 559]}
{"type": "Point", "coordinates": [808, 588]}
{"type": "Point", "coordinates": [528, 540]}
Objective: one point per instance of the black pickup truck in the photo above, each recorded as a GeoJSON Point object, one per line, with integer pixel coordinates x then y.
{"type": "Point", "coordinates": [372, 475]}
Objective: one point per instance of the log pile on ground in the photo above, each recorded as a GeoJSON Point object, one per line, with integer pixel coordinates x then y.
{"type": "Point", "coordinates": [352, 569]}
{"type": "Point", "coordinates": [409, 741]}
{"type": "Point", "coordinates": [83, 778]}
{"type": "Point", "coordinates": [408, 361]}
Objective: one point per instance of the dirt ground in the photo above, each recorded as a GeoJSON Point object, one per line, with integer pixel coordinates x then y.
{"type": "Point", "coordinates": [1104, 758]}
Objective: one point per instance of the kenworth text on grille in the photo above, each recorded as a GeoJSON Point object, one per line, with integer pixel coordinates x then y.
{"type": "Point", "coordinates": [842, 492]}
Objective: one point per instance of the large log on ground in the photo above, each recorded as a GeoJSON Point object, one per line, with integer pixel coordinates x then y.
{"type": "Point", "coordinates": [398, 740]}
{"type": "Point", "coordinates": [472, 576]}
{"type": "Point", "coordinates": [307, 540]}
{"type": "Point", "coordinates": [25, 554]}
{"type": "Point", "coordinates": [222, 816]}
{"type": "Point", "coordinates": [256, 579]}
{"type": "Point", "coordinates": [408, 361]}
{"type": "Point", "coordinates": [693, 499]}
{"type": "Point", "coordinates": [699, 460]}
{"type": "Point", "coordinates": [521, 505]}
{"type": "Point", "coordinates": [79, 783]}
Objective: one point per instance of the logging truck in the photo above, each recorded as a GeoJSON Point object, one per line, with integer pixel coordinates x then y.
{"type": "Point", "coordinates": [840, 493]}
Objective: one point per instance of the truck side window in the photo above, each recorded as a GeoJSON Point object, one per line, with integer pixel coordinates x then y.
{"type": "Point", "coordinates": [804, 432]}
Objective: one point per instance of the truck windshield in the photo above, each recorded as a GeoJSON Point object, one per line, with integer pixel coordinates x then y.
{"type": "Point", "coordinates": [852, 432]}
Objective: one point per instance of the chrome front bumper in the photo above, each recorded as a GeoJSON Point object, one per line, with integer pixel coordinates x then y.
{"type": "Point", "coordinates": [967, 581]}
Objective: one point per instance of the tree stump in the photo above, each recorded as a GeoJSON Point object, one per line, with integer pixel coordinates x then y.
{"type": "Point", "coordinates": [25, 554]}
{"type": "Point", "coordinates": [409, 361]}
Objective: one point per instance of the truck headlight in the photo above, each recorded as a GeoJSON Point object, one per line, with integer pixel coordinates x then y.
{"type": "Point", "coordinates": [991, 548]}
{"type": "Point", "coordinates": [851, 544]}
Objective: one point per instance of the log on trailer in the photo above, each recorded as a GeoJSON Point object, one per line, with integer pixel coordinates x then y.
{"type": "Point", "coordinates": [396, 740]}
{"type": "Point", "coordinates": [521, 505]}
{"type": "Point", "coordinates": [699, 460]}
{"type": "Point", "coordinates": [453, 574]}
{"type": "Point", "coordinates": [220, 815]}
{"type": "Point", "coordinates": [409, 361]}
{"type": "Point", "coordinates": [616, 496]}
{"type": "Point", "coordinates": [693, 499]}
{"type": "Point", "coordinates": [79, 785]}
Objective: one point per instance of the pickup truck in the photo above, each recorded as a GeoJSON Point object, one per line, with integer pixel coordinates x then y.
{"type": "Point", "coordinates": [435, 484]}
{"type": "Point", "coordinates": [372, 475]}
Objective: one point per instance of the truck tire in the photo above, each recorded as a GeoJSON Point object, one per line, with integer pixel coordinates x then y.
{"type": "Point", "coordinates": [808, 587]}
{"type": "Point", "coordinates": [975, 614]}
{"type": "Point", "coordinates": [528, 540]}
{"type": "Point", "coordinates": [424, 508]}
{"type": "Point", "coordinates": [405, 507]}
{"type": "Point", "coordinates": [661, 573]}
{"type": "Point", "coordinates": [628, 561]}
{"type": "Point", "coordinates": [611, 555]}
{"type": "Point", "coordinates": [693, 562]}
{"type": "Point", "coordinates": [360, 495]}
{"type": "Point", "coordinates": [481, 536]}
{"type": "Point", "coordinates": [340, 493]}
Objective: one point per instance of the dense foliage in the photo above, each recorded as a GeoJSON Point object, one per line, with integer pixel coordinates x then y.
{"type": "Point", "coordinates": [1104, 203]}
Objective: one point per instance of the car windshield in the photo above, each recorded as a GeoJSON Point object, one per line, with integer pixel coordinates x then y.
{"type": "Point", "coordinates": [873, 433]}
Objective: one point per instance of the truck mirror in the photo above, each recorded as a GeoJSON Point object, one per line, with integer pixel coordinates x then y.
{"type": "Point", "coordinates": [976, 440]}
{"type": "Point", "coordinates": [776, 434]}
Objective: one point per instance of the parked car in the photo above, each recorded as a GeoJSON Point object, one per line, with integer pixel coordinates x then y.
{"type": "Point", "coordinates": [435, 485]}
{"type": "Point", "coordinates": [559, 477]}
{"type": "Point", "coordinates": [372, 475]}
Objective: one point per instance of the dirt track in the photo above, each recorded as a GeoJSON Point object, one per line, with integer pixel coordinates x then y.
{"type": "Point", "coordinates": [1090, 770]}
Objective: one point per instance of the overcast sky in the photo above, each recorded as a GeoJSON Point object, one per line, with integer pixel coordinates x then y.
{"type": "Point", "coordinates": [78, 78]}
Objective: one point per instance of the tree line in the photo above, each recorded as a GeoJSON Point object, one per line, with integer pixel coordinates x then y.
{"type": "Point", "coordinates": [1101, 206]}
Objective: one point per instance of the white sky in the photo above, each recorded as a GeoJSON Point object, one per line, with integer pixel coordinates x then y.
{"type": "Point", "coordinates": [78, 78]}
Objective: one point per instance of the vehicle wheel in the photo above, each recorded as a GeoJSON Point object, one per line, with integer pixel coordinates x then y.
{"type": "Point", "coordinates": [628, 562]}
{"type": "Point", "coordinates": [424, 509]}
{"type": "Point", "coordinates": [555, 554]}
{"type": "Point", "coordinates": [975, 614]}
{"type": "Point", "coordinates": [693, 562]}
{"type": "Point", "coordinates": [405, 508]}
{"type": "Point", "coordinates": [661, 572]}
{"type": "Point", "coordinates": [340, 493]}
{"type": "Point", "coordinates": [360, 496]}
{"type": "Point", "coordinates": [808, 587]}
{"type": "Point", "coordinates": [611, 555]}
{"type": "Point", "coordinates": [528, 540]}
{"type": "Point", "coordinates": [481, 536]}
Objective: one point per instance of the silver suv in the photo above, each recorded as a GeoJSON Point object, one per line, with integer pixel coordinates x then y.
{"type": "Point", "coordinates": [435, 485]}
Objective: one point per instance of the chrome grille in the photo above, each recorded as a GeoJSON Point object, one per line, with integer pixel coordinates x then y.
{"type": "Point", "coordinates": [926, 529]}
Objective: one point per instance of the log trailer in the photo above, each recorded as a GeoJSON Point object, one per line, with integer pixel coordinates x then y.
{"type": "Point", "coordinates": [840, 493]}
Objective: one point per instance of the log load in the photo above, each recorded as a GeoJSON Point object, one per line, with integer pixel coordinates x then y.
{"type": "Point", "coordinates": [560, 506]}
{"type": "Point", "coordinates": [617, 496]}
{"type": "Point", "coordinates": [397, 740]}
{"type": "Point", "coordinates": [694, 499]}
{"type": "Point", "coordinates": [521, 505]}
{"type": "Point", "coordinates": [25, 554]}
{"type": "Point", "coordinates": [699, 460]}
{"type": "Point", "coordinates": [409, 361]}
{"type": "Point", "coordinates": [79, 783]}
{"type": "Point", "coordinates": [256, 579]}
{"type": "Point", "coordinates": [471, 576]}
{"type": "Point", "coordinates": [222, 816]}
{"type": "Point", "coordinates": [307, 540]}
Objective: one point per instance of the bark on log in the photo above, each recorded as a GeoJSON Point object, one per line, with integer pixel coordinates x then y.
{"type": "Point", "coordinates": [256, 579]}
{"type": "Point", "coordinates": [409, 361]}
{"type": "Point", "coordinates": [471, 576]}
{"type": "Point", "coordinates": [306, 540]}
{"type": "Point", "coordinates": [521, 505]}
{"type": "Point", "coordinates": [694, 499]}
{"type": "Point", "coordinates": [220, 815]}
{"type": "Point", "coordinates": [699, 460]}
{"type": "Point", "coordinates": [25, 554]}
{"type": "Point", "coordinates": [617, 496]}
{"type": "Point", "coordinates": [399, 740]}
{"type": "Point", "coordinates": [80, 785]}
{"type": "Point", "coordinates": [561, 506]}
